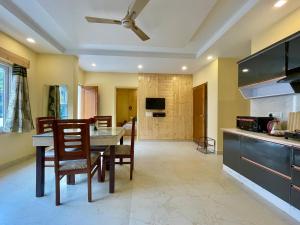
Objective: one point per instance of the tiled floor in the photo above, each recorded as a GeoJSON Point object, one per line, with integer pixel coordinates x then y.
{"type": "Point", "coordinates": [173, 184]}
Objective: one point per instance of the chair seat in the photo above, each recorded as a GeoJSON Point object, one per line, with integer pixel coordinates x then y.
{"type": "Point", "coordinates": [79, 163]}
{"type": "Point", "coordinates": [121, 150]}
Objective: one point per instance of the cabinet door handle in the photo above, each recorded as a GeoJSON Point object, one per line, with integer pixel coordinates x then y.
{"type": "Point", "coordinates": [296, 188]}
{"type": "Point", "coordinates": [296, 167]}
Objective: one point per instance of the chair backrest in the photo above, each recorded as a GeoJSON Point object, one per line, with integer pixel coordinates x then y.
{"type": "Point", "coordinates": [103, 121]}
{"type": "Point", "coordinates": [132, 136]}
{"type": "Point", "coordinates": [71, 140]}
{"type": "Point", "coordinates": [44, 124]}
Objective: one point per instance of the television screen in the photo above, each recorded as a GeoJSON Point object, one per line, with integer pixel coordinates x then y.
{"type": "Point", "coordinates": [155, 103]}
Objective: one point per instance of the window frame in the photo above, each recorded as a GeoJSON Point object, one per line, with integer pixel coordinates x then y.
{"type": "Point", "coordinates": [6, 88]}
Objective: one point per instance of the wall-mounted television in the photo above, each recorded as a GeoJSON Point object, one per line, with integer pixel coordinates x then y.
{"type": "Point", "coordinates": [155, 103]}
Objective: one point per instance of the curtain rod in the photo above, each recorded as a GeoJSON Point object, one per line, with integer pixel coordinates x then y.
{"type": "Point", "coordinates": [13, 58]}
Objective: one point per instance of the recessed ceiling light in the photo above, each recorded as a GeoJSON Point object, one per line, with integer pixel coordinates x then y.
{"type": "Point", "coordinates": [94, 65]}
{"type": "Point", "coordinates": [280, 3]}
{"type": "Point", "coordinates": [140, 66]}
{"type": "Point", "coordinates": [30, 40]}
{"type": "Point", "coordinates": [184, 68]}
{"type": "Point", "coordinates": [245, 70]}
{"type": "Point", "coordinates": [209, 57]}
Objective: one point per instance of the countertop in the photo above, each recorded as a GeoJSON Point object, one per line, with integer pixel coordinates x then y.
{"type": "Point", "coordinates": [264, 137]}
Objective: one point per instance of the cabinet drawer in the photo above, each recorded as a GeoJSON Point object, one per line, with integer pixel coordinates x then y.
{"type": "Point", "coordinates": [274, 183]}
{"type": "Point", "coordinates": [295, 196]}
{"type": "Point", "coordinates": [296, 175]}
{"type": "Point", "coordinates": [296, 158]}
{"type": "Point", "coordinates": [271, 155]}
{"type": "Point", "coordinates": [231, 155]}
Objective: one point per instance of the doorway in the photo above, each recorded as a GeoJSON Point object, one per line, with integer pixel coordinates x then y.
{"type": "Point", "coordinates": [126, 105]}
{"type": "Point", "coordinates": [87, 101]}
{"type": "Point", "coordinates": [200, 112]}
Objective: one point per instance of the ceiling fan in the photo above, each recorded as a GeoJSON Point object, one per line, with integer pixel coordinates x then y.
{"type": "Point", "coordinates": [128, 21]}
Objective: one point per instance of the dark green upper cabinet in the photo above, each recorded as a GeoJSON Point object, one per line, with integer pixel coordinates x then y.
{"type": "Point", "coordinates": [266, 65]}
{"type": "Point", "coordinates": [294, 53]}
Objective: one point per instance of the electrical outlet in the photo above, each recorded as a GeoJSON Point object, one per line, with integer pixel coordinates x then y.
{"type": "Point", "coordinates": [278, 115]}
{"type": "Point", "coordinates": [149, 114]}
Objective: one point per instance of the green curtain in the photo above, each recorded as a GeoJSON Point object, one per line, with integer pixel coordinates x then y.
{"type": "Point", "coordinates": [19, 117]}
{"type": "Point", "coordinates": [54, 101]}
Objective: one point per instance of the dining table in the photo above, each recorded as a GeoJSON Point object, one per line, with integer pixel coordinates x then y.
{"type": "Point", "coordinates": [103, 136]}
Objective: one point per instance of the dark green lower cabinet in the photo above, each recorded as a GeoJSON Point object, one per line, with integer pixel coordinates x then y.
{"type": "Point", "coordinates": [295, 197]}
{"type": "Point", "coordinates": [271, 182]}
{"type": "Point", "coordinates": [265, 163]}
{"type": "Point", "coordinates": [231, 150]}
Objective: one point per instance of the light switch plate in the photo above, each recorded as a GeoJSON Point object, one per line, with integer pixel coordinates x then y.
{"type": "Point", "coordinates": [149, 114]}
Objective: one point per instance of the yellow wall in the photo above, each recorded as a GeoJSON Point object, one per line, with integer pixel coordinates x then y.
{"type": "Point", "coordinates": [58, 69]}
{"type": "Point", "coordinates": [107, 84]}
{"type": "Point", "coordinates": [14, 146]}
{"type": "Point", "coordinates": [276, 32]}
{"type": "Point", "coordinates": [224, 101]}
{"type": "Point", "coordinates": [230, 101]}
{"type": "Point", "coordinates": [44, 70]}
{"type": "Point", "coordinates": [209, 74]}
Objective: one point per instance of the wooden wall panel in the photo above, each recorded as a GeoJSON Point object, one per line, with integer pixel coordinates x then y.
{"type": "Point", "coordinates": [178, 92]}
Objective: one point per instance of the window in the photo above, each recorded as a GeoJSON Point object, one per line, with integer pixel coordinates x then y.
{"type": "Point", "coordinates": [63, 92]}
{"type": "Point", "coordinates": [4, 92]}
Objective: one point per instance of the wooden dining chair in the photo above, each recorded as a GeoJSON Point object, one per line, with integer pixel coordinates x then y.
{"type": "Point", "coordinates": [121, 152]}
{"type": "Point", "coordinates": [45, 125]}
{"type": "Point", "coordinates": [103, 121]}
{"type": "Point", "coordinates": [72, 152]}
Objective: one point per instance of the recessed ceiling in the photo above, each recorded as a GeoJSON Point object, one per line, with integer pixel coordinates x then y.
{"type": "Point", "coordinates": [181, 32]}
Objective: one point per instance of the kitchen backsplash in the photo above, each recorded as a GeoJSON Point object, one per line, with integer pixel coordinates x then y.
{"type": "Point", "coordinates": [277, 104]}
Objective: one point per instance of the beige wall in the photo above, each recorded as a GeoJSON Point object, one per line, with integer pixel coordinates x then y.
{"type": "Point", "coordinates": [107, 84]}
{"type": "Point", "coordinates": [224, 101]}
{"type": "Point", "coordinates": [209, 74]}
{"type": "Point", "coordinates": [14, 146]}
{"type": "Point", "coordinates": [178, 94]}
{"type": "Point", "coordinates": [44, 70]}
{"type": "Point", "coordinates": [276, 32]}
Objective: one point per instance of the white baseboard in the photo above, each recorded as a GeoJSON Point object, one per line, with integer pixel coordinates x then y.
{"type": "Point", "coordinates": [284, 206]}
{"type": "Point", "coordinates": [16, 161]}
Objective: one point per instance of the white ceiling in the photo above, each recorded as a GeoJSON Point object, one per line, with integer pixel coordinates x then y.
{"type": "Point", "coordinates": [181, 32]}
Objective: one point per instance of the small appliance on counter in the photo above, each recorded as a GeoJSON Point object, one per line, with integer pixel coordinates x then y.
{"type": "Point", "coordinates": [253, 123]}
{"type": "Point", "coordinates": [275, 129]}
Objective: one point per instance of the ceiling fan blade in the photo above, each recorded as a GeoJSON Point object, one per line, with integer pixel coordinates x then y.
{"type": "Point", "coordinates": [140, 33]}
{"type": "Point", "coordinates": [136, 7]}
{"type": "Point", "coordinates": [101, 20]}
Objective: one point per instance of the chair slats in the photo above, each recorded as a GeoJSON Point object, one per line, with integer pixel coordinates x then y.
{"type": "Point", "coordinates": [80, 154]}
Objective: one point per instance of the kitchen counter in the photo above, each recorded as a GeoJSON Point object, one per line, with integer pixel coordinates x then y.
{"type": "Point", "coordinates": [264, 137]}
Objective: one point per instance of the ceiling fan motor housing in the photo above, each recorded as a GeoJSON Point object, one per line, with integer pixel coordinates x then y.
{"type": "Point", "coordinates": [128, 23]}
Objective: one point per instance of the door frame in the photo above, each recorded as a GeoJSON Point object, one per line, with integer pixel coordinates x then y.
{"type": "Point", "coordinates": [115, 97]}
{"type": "Point", "coordinates": [205, 108]}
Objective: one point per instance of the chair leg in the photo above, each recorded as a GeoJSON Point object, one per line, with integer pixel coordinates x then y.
{"type": "Point", "coordinates": [89, 187]}
{"type": "Point", "coordinates": [99, 170]}
{"type": "Point", "coordinates": [121, 161]}
{"type": "Point", "coordinates": [57, 190]}
{"type": "Point", "coordinates": [103, 169]}
{"type": "Point", "coordinates": [131, 169]}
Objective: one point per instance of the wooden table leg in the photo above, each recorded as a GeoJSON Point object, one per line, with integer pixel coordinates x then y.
{"type": "Point", "coordinates": [40, 171]}
{"type": "Point", "coordinates": [71, 179]}
{"type": "Point", "coordinates": [112, 169]}
{"type": "Point", "coordinates": [121, 140]}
